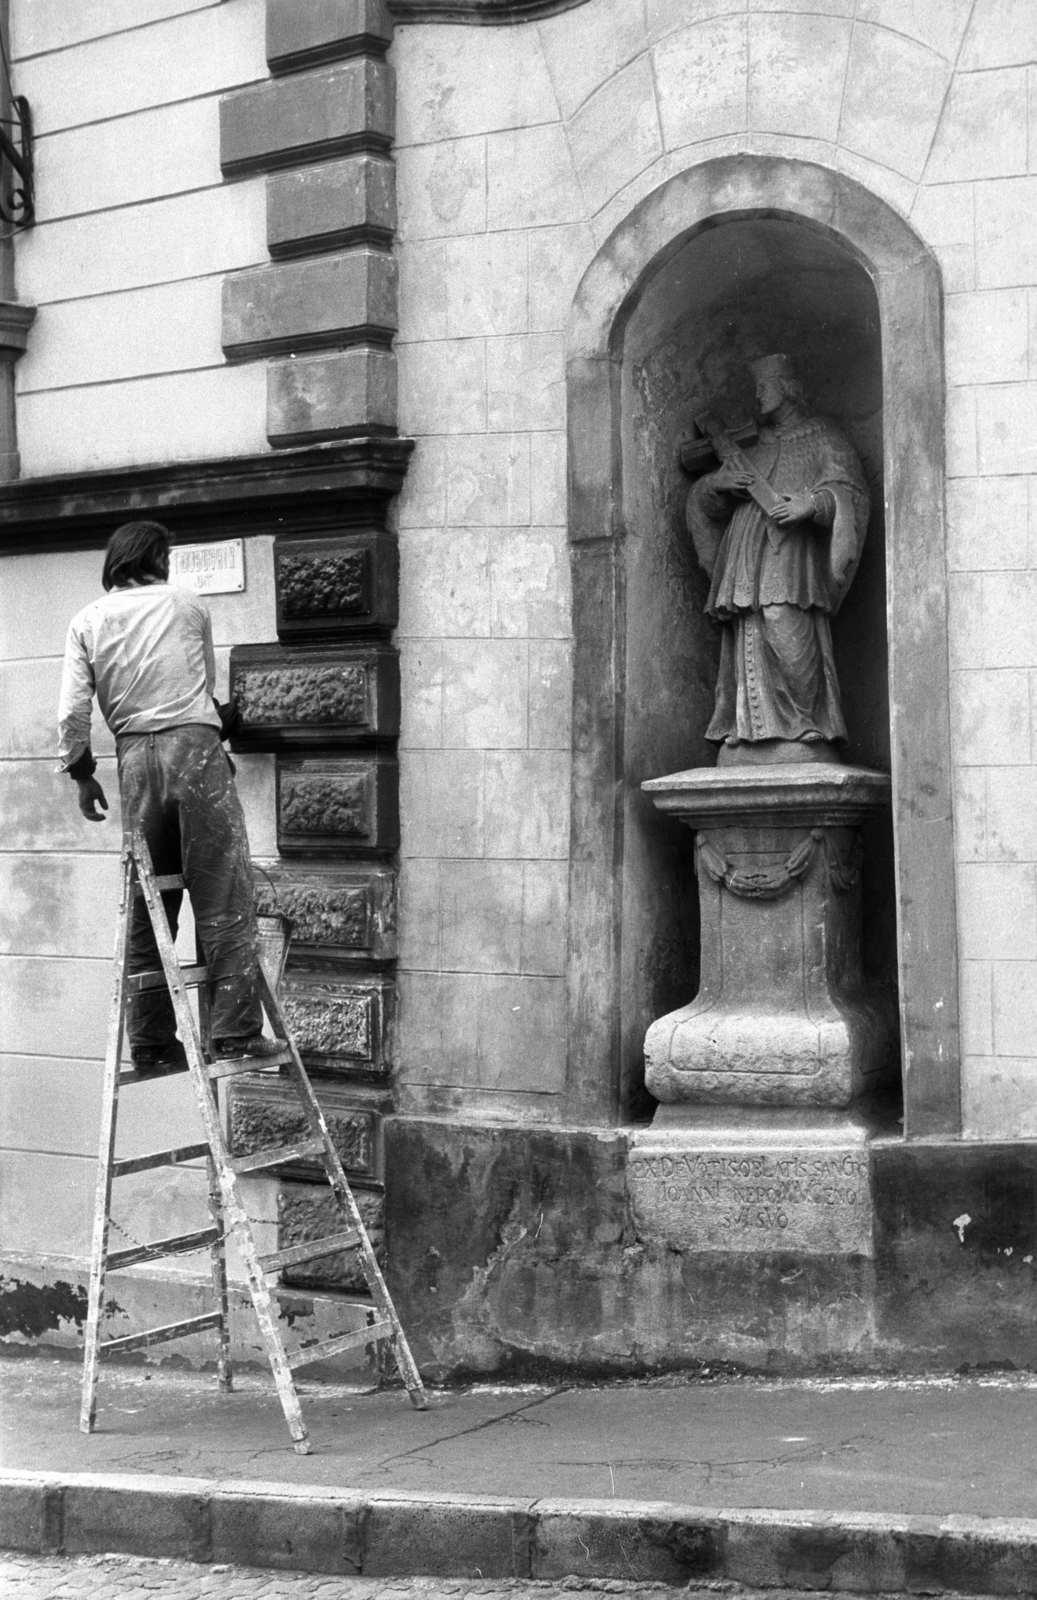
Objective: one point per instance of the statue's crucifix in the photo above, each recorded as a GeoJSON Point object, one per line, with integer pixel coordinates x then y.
{"type": "Point", "coordinates": [716, 443]}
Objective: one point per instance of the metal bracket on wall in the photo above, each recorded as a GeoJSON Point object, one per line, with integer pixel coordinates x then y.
{"type": "Point", "coordinates": [17, 199]}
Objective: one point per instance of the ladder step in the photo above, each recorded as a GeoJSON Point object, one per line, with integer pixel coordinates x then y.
{"type": "Point", "coordinates": [180, 1244]}
{"type": "Point", "coordinates": [341, 1341]}
{"type": "Point", "coordinates": [277, 1155]}
{"type": "Point", "coordinates": [172, 880]}
{"type": "Point", "coordinates": [234, 1066]}
{"type": "Point", "coordinates": [138, 982]}
{"type": "Point", "coordinates": [158, 1158]}
{"type": "Point", "coordinates": [296, 1254]}
{"type": "Point", "coordinates": [172, 1330]}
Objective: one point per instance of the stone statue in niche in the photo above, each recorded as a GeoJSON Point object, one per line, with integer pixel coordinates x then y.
{"type": "Point", "coordinates": [779, 527]}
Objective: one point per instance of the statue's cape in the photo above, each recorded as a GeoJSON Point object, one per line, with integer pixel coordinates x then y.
{"type": "Point", "coordinates": [811, 456]}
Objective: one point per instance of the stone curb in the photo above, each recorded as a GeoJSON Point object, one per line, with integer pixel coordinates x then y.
{"type": "Point", "coordinates": [375, 1534]}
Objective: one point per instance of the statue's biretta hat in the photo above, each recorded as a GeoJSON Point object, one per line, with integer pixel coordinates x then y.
{"type": "Point", "coordinates": [778, 366]}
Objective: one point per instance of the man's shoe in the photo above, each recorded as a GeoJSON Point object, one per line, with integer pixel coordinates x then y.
{"type": "Point", "coordinates": [158, 1060]}
{"type": "Point", "coordinates": [253, 1046]}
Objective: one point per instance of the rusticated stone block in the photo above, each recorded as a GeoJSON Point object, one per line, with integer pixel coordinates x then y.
{"type": "Point", "coordinates": [334, 204]}
{"type": "Point", "coordinates": [331, 111]}
{"type": "Point", "coordinates": [330, 397]}
{"type": "Point", "coordinates": [304, 1213]}
{"type": "Point", "coordinates": [347, 915]}
{"type": "Point", "coordinates": [288, 698]}
{"type": "Point", "coordinates": [309, 305]}
{"type": "Point", "coordinates": [265, 1112]}
{"type": "Point", "coordinates": [340, 1025]}
{"type": "Point", "coordinates": [307, 35]}
{"type": "Point", "coordinates": [331, 586]}
{"type": "Point", "coordinates": [338, 806]}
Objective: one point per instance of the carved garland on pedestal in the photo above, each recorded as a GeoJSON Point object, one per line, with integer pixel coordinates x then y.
{"type": "Point", "coordinates": [769, 883]}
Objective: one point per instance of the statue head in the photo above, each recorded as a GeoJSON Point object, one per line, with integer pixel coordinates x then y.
{"type": "Point", "coordinates": [776, 381]}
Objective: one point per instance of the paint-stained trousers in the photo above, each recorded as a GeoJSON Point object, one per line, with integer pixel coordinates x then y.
{"type": "Point", "coordinates": [177, 787]}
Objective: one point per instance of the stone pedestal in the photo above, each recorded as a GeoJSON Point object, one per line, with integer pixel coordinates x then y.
{"type": "Point", "coordinates": [782, 1017]}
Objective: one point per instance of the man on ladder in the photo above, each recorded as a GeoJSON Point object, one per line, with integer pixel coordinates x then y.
{"type": "Point", "coordinates": [145, 649]}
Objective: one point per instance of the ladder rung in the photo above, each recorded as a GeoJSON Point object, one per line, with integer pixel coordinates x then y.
{"type": "Point", "coordinates": [277, 1155]}
{"type": "Point", "coordinates": [341, 1341]}
{"type": "Point", "coordinates": [172, 1330]}
{"type": "Point", "coordinates": [180, 1244]}
{"type": "Point", "coordinates": [233, 1066]}
{"type": "Point", "coordinates": [137, 982]}
{"type": "Point", "coordinates": [296, 1254]}
{"type": "Point", "coordinates": [172, 880]}
{"type": "Point", "coordinates": [158, 1158]}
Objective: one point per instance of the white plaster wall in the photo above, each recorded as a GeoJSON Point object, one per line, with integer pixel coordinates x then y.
{"type": "Point", "coordinates": [519, 150]}
{"type": "Point", "coordinates": [135, 231]}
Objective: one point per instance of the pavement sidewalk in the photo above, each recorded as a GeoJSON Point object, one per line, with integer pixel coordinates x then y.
{"type": "Point", "coordinates": [860, 1484]}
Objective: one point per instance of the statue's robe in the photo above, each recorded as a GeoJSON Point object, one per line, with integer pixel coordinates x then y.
{"type": "Point", "coordinates": [774, 588]}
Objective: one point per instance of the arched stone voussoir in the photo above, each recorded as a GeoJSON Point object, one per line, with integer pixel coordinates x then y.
{"type": "Point", "coordinates": [721, 189]}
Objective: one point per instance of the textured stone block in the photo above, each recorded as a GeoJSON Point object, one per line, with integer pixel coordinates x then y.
{"type": "Point", "coordinates": [347, 297]}
{"type": "Point", "coordinates": [336, 203]}
{"type": "Point", "coordinates": [340, 914]}
{"type": "Point", "coordinates": [331, 397]}
{"type": "Point", "coordinates": [702, 74]}
{"type": "Point", "coordinates": [332, 111]}
{"type": "Point", "coordinates": [264, 1112]}
{"type": "Point", "coordinates": [344, 694]}
{"type": "Point", "coordinates": [345, 807]}
{"type": "Point", "coordinates": [337, 584]}
{"type": "Point", "coordinates": [616, 134]}
{"type": "Point", "coordinates": [982, 132]}
{"type": "Point", "coordinates": [150, 1521]}
{"type": "Point", "coordinates": [797, 66]}
{"type": "Point", "coordinates": [306, 1213]}
{"type": "Point", "coordinates": [306, 35]}
{"type": "Point", "coordinates": [269, 1530]}
{"type": "Point", "coordinates": [442, 188]}
{"type": "Point", "coordinates": [341, 1024]}
{"type": "Point", "coordinates": [997, 912]}
{"type": "Point", "coordinates": [894, 94]}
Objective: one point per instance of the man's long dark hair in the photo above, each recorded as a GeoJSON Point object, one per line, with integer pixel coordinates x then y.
{"type": "Point", "coordinates": [135, 553]}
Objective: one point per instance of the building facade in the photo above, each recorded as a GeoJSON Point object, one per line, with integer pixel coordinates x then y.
{"type": "Point", "coordinates": [412, 299]}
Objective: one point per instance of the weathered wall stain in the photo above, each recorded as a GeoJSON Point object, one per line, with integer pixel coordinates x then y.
{"type": "Point", "coordinates": [33, 1309]}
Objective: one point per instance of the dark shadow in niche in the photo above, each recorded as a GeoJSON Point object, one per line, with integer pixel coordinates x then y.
{"type": "Point", "coordinates": [735, 290]}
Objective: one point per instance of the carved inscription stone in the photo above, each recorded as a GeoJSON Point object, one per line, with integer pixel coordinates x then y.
{"type": "Point", "coordinates": [695, 1193]}
{"type": "Point", "coordinates": [323, 585]}
{"type": "Point", "coordinates": [307, 695]}
{"type": "Point", "coordinates": [259, 1119]}
{"type": "Point", "coordinates": [305, 1212]}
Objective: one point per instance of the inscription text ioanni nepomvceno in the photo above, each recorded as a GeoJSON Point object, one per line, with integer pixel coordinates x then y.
{"type": "Point", "coordinates": [753, 1199]}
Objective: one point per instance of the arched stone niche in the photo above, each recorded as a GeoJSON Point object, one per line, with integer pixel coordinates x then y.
{"type": "Point", "coordinates": [738, 257]}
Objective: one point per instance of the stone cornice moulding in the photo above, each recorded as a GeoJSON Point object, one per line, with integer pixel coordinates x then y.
{"type": "Point", "coordinates": [16, 318]}
{"type": "Point", "coordinates": [495, 13]}
{"type": "Point", "coordinates": [350, 480]}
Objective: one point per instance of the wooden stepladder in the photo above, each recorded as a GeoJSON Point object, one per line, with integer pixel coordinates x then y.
{"type": "Point", "coordinates": [225, 1204]}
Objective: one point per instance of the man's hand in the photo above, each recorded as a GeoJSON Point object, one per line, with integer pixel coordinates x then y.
{"type": "Point", "coordinates": [91, 795]}
{"type": "Point", "coordinates": [731, 476]}
{"type": "Point", "coordinates": [798, 507]}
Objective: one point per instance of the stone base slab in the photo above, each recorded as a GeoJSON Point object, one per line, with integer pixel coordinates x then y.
{"type": "Point", "coordinates": [697, 1191]}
